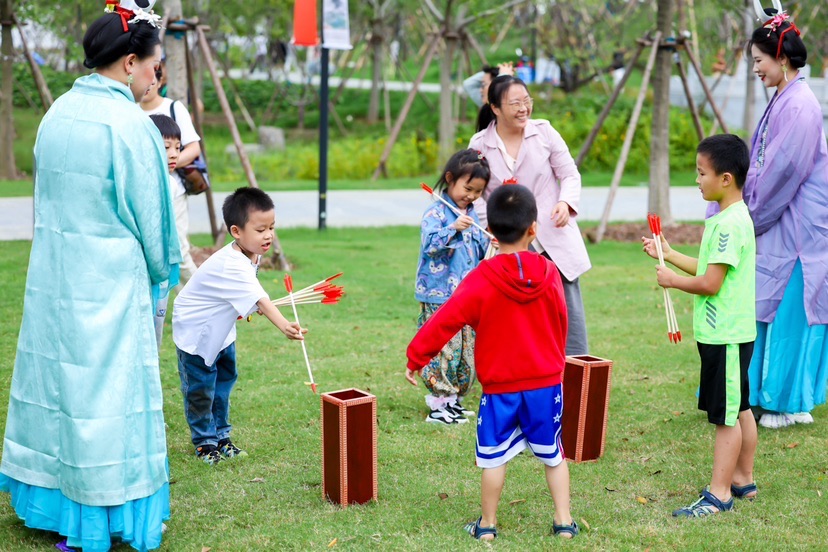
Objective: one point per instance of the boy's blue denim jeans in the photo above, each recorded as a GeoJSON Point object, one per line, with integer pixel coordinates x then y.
{"type": "Point", "coordinates": [206, 391]}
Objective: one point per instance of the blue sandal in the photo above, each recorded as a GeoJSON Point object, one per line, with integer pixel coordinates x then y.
{"type": "Point", "coordinates": [704, 506]}
{"type": "Point", "coordinates": [474, 529]}
{"type": "Point", "coordinates": [571, 529]}
{"type": "Point", "coordinates": [743, 491]}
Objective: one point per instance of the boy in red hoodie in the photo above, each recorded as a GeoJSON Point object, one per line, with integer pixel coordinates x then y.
{"type": "Point", "coordinates": [515, 303]}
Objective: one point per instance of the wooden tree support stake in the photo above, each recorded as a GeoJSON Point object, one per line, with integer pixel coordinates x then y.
{"type": "Point", "coordinates": [607, 108]}
{"type": "Point", "coordinates": [703, 81]}
{"type": "Point", "coordinates": [395, 132]}
{"type": "Point", "coordinates": [625, 149]}
{"type": "Point", "coordinates": [690, 102]}
{"type": "Point", "coordinates": [42, 87]}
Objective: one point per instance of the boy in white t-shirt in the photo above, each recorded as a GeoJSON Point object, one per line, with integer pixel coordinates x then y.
{"type": "Point", "coordinates": [223, 289]}
{"type": "Point", "coordinates": [154, 104]}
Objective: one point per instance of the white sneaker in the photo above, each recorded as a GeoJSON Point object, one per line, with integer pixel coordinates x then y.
{"type": "Point", "coordinates": [776, 421]}
{"type": "Point", "coordinates": [802, 417]}
{"type": "Point", "coordinates": [443, 416]}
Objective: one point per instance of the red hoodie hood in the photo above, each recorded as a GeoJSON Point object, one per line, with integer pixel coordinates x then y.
{"type": "Point", "coordinates": [522, 277]}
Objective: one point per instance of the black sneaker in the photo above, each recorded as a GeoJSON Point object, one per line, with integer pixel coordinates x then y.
{"type": "Point", "coordinates": [227, 449]}
{"type": "Point", "coordinates": [209, 454]}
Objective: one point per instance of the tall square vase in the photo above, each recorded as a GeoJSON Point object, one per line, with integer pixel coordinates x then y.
{"type": "Point", "coordinates": [586, 391]}
{"type": "Point", "coordinates": [349, 447]}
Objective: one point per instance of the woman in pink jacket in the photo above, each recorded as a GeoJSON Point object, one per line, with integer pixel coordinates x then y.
{"type": "Point", "coordinates": [530, 152]}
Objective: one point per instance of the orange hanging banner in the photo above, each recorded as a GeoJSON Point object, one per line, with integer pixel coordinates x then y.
{"type": "Point", "coordinates": [305, 31]}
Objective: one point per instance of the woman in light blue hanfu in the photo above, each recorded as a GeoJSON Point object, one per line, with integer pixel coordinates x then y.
{"type": "Point", "coordinates": [84, 453]}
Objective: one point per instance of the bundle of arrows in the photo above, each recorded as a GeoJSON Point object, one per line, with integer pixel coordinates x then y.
{"type": "Point", "coordinates": [321, 292]}
{"type": "Point", "coordinates": [673, 332]}
{"type": "Point", "coordinates": [292, 303]}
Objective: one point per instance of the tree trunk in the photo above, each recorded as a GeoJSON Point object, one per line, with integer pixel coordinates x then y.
{"type": "Point", "coordinates": [446, 129]}
{"type": "Point", "coordinates": [376, 78]}
{"type": "Point", "coordinates": [176, 55]}
{"type": "Point", "coordinates": [8, 169]}
{"type": "Point", "coordinates": [681, 10]}
{"type": "Point", "coordinates": [659, 196]}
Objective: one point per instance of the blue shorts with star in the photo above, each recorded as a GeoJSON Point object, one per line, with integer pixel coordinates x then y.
{"type": "Point", "coordinates": [509, 422]}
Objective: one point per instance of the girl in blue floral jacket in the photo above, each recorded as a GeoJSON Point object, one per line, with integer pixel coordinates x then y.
{"type": "Point", "coordinates": [450, 247]}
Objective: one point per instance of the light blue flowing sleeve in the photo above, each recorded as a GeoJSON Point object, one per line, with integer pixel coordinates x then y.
{"type": "Point", "coordinates": [144, 203]}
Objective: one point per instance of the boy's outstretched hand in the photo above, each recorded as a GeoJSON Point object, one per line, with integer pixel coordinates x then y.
{"type": "Point", "coordinates": [409, 375]}
{"type": "Point", "coordinates": [294, 331]}
{"type": "Point", "coordinates": [649, 247]}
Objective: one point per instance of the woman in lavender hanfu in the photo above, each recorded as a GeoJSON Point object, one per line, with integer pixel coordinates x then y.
{"type": "Point", "coordinates": [787, 195]}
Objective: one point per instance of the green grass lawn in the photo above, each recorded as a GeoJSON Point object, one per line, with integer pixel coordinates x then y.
{"type": "Point", "coordinates": [658, 449]}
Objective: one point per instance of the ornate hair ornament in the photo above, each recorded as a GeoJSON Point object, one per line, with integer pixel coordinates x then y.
{"type": "Point", "coordinates": [779, 17]}
{"type": "Point", "coordinates": [762, 15]}
{"type": "Point", "coordinates": [134, 11]}
{"type": "Point", "coordinates": [480, 155]}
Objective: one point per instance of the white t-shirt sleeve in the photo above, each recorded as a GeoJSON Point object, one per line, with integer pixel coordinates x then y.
{"type": "Point", "coordinates": [185, 123]}
{"type": "Point", "coordinates": [242, 289]}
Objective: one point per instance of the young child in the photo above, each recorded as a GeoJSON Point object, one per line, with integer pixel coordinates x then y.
{"type": "Point", "coordinates": [515, 302]}
{"type": "Point", "coordinates": [450, 247]}
{"type": "Point", "coordinates": [171, 133]}
{"type": "Point", "coordinates": [222, 290]}
{"type": "Point", "coordinates": [154, 103]}
{"type": "Point", "coordinates": [724, 319]}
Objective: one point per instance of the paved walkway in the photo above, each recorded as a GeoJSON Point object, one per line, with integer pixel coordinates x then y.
{"type": "Point", "coordinates": [376, 208]}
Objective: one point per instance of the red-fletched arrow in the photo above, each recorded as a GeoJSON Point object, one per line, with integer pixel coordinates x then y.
{"type": "Point", "coordinates": [289, 287]}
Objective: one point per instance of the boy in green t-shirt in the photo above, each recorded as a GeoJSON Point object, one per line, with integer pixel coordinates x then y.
{"type": "Point", "coordinates": [723, 279]}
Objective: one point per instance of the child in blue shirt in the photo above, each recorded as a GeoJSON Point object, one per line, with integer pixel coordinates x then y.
{"type": "Point", "coordinates": [450, 247]}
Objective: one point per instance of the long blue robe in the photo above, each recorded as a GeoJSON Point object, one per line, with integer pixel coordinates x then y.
{"type": "Point", "coordinates": [85, 410]}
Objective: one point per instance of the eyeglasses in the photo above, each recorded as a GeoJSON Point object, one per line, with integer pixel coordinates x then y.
{"type": "Point", "coordinates": [527, 103]}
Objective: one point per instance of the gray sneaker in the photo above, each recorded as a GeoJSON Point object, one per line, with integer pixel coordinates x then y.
{"type": "Point", "coordinates": [227, 449]}
{"type": "Point", "coordinates": [209, 454]}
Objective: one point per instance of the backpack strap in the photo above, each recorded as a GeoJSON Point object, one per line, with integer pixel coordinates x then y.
{"type": "Point", "coordinates": [172, 110]}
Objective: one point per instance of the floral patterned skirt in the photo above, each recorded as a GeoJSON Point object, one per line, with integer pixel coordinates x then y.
{"type": "Point", "coordinates": [451, 372]}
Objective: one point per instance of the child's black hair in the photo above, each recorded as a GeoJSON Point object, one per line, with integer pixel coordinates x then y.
{"type": "Point", "coordinates": [767, 41]}
{"type": "Point", "coordinates": [500, 85]}
{"type": "Point", "coordinates": [727, 153]}
{"type": "Point", "coordinates": [467, 162]}
{"type": "Point", "coordinates": [168, 127]}
{"type": "Point", "coordinates": [492, 71]}
{"type": "Point", "coordinates": [238, 205]}
{"type": "Point", "coordinates": [511, 210]}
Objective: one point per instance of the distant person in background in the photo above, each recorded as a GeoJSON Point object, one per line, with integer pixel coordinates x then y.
{"type": "Point", "coordinates": [154, 104]}
{"type": "Point", "coordinates": [477, 85]}
{"type": "Point", "coordinates": [260, 58]}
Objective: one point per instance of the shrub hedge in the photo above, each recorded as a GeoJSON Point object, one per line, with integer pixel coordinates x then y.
{"type": "Point", "coordinates": [357, 154]}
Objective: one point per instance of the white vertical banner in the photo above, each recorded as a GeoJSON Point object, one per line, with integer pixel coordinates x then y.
{"type": "Point", "coordinates": [336, 28]}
